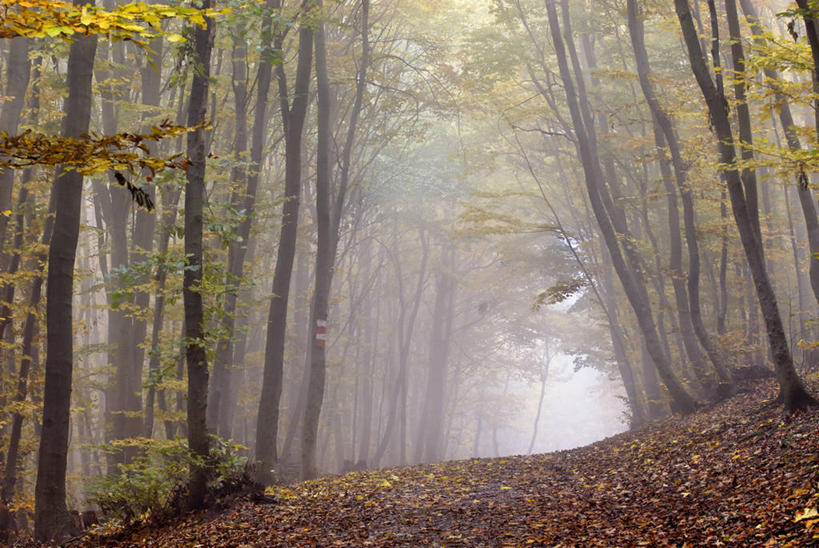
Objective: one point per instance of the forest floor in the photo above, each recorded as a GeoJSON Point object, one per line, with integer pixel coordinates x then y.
{"type": "Point", "coordinates": [732, 474]}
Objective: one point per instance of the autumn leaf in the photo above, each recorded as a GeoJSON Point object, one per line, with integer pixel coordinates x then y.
{"type": "Point", "coordinates": [808, 513]}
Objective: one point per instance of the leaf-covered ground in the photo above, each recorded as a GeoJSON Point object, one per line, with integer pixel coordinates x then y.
{"type": "Point", "coordinates": [734, 474]}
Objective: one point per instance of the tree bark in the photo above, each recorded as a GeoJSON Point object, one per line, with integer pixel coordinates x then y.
{"type": "Point", "coordinates": [324, 262]}
{"type": "Point", "coordinates": [746, 137]}
{"type": "Point", "coordinates": [267, 424]}
{"type": "Point", "coordinates": [328, 216]}
{"type": "Point", "coordinates": [18, 73]}
{"type": "Point", "coordinates": [197, 365]}
{"type": "Point", "coordinates": [51, 518]}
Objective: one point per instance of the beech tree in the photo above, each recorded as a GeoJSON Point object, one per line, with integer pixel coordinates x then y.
{"type": "Point", "coordinates": [293, 114]}
{"type": "Point", "coordinates": [794, 394]}
{"type": "Point", "coordinates": [51, 518]}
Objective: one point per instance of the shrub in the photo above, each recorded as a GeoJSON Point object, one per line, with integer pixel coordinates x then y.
{"type": "Point", "coordinates": [154, 482]}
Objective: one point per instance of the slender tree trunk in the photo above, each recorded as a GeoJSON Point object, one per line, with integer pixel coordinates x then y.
{"type": "Point", "coordinates": [167, 222]}
{"type": "Point", "coordinates": [197, 365]}
{"type": "Point", "coordinates": [722, 313]}
{"type": "Point", "coordinates": [746, 138]}
{"type": "Point", "coordinates": [638, 411]}
{"type": "Point", "coordinates": [29, 330]}
{"type": "Point", "coordinates": [544, 376]}
{"type": "Point", "coordinates": [220, 384]}
{"type": "Point", "coordinates": [809, 14]}
{"type": "Point", "coordinates": [301, 319]}
{"type": "Point", "coordinates": [51, 518]}
{"type": "Point", "coordinates": [369, 353]}
{"type": "Point", "coordinates": [324, 263]}
{"type": "Point", "coordinates": [328, 216]}
{"type": "Point", "coordinates": [114, 204]}
{"type": "Point", "coordinates": [267, 424]}
{"type": "Point", "coordinates": [142, 243]}
{"type": "Point", "coordinates": [430, 440]}
{"type": "Point", "coordinates": [406, 327]}
{"type": "Point", "coordinates": [18, 73]}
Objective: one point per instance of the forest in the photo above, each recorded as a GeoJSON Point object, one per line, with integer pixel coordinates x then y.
{"type": "Point", "coordinates": [280, 258]}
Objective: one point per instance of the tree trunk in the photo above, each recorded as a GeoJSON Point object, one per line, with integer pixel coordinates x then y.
{"type": "Point", "coordinates": [370, 327]}
{"type": "Point", "coordinates": [328, 217]}
{"type": "Point", "coordinates": [746, 138]}
{"type": "Point", "coordinates": [267, 424]}
{"type": "Point", "coordinates": [51, 518]}
{"type": "Point", "coordinates": [324, 263]}
{"type": "Point", "coordinates": [142, 243]}
{"type": "Point", "coordinates": [197, 365]}
{"type": "Point", "coordinates": [544, 376]}
{"type": "Point", "coordinates": [809, 14]}
{"type": "Point", "coordinates": [29, 331]}
{"type": "Point", "coordinates": [430, 439]}
{"type": "Point", "coordinates": [17, 77]}
{"type": "Point", "coordinates": [114, 204]}
{"type": "Point", "coordinates": [406, 328]}
{"type": "Point", "coordinates": [167, 221]}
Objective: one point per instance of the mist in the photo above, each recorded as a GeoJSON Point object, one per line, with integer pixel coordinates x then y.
{"type": "Point", "coordinates": [287, 240]}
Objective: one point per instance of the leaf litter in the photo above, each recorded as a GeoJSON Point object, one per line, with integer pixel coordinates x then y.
{"type": "Point", "coordinates": [732, 474]}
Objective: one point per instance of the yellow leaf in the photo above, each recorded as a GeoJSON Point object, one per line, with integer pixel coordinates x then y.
{"type": "Point", "coordinates": [807, 514]}
{"type": "Point", "coordinates": [86, 18]}
{"type": "Point", "coordinates": [386, 484]}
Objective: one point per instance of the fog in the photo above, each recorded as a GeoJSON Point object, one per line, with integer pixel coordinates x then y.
{"type": "Point", "coordinates": [310, 238]}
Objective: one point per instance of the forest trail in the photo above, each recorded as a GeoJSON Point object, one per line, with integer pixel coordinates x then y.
{"type": "Point", "coordinates": [733, 474]}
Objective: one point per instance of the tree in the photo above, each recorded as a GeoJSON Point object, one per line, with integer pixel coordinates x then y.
{"type": "Point", "coordinates": [328, 215]}
{"type": "Point", "coordinates": [793, 392]}
{"type": "Point", "coordinates": [598, 197]}
{"type": "Point", "coordinates": [669, 138]}
{"type": "Point", "coordinates": [293, 114]}
{"type": "Point", "coordinates": [198, 439]}
{"type": "Point", "coordinates": [51, 519]}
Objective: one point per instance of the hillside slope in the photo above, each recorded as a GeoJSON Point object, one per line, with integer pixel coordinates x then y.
{"type": "Point", "coordinates": [732, 474]}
